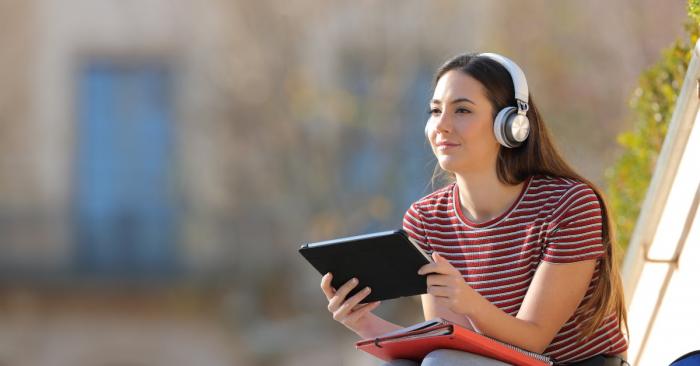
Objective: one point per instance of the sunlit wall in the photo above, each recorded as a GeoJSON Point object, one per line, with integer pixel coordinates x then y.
{"type": "Point", "coordinates": [663, 268]}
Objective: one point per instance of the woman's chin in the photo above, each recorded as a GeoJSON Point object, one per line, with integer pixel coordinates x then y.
{"type": "Point", "coordinates": [448, 164]}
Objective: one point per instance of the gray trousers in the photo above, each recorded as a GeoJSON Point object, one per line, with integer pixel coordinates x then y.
{"type": "Point", "coordinates": [448, 357]}
{"type": "Point", "coordinates": [458, 358]}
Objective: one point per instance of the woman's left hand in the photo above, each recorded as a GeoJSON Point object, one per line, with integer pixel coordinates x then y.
{"type": "Point", "coordinates": [446, 283]}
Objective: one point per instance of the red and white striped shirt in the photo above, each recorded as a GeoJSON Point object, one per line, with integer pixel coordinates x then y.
{"type": "Point", "coordinates": [556, 220]}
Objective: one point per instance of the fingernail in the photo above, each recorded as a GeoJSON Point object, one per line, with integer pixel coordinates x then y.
{"type": "Point", "coordinates": [367, 289]}
{"type": "Point", "coordinates": [354, 280]}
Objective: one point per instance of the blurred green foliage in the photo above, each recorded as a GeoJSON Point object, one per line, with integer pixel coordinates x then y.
{"type": "Point", "coordinates": [652, 104]}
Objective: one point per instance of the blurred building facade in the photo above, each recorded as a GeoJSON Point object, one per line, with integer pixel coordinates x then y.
{"type": "Point", "coordinates": [161, 161]}
{"type": "Point", "coordinates": [97, 265]}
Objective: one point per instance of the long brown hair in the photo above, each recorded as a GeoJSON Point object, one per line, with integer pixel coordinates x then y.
{"type": "Point", "coordinates": [539, 156]}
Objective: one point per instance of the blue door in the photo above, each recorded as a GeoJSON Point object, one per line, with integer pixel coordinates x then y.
{"type": "Point", "coordinates": [124, 196]}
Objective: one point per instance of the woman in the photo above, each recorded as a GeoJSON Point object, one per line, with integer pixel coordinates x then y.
{"type": "Point", "coordinates": [522, 245]}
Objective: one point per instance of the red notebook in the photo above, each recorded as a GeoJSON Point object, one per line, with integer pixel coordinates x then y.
{"type": "Point", "coordinates": [415, 342]}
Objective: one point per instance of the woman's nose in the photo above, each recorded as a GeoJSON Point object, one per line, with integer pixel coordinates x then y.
{"type": "Point", "coordinates": [443, 123]}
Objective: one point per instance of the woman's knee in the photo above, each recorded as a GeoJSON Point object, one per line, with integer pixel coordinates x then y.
{"type": "Point", "coordinates": [453, 357]}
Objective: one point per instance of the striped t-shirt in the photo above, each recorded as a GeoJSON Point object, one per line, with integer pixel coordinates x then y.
{"type": "Point", "coordinates": [554, 219]}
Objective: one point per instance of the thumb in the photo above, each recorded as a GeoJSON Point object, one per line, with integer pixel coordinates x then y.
{"type": "Point", "coordinates": [437, 258]}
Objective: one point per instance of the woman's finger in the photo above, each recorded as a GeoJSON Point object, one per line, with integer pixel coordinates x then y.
{"type": "Point", "coordinates": [326, 285]}
{"type": "Point", "coordinates": [355, 299]}
{"type": "Point", "coordinates": [428, 268]}
{"type": "Point", "coordinates": [359, 307]}
{"type": "Point", "coordinates": [439, 268]}
{"type": "Point", "coordinates": [346, 287]}
{"type": "Point", "coordinates": [361, 311]}
{"type": "Point", "coordinates": [439, 291]}
{"type": "Point", "coordinates": [437, 280]}
{"type": "Point", "coordinates": [339, 297]}
{"type": "Point", "coordinates": [350, 303]}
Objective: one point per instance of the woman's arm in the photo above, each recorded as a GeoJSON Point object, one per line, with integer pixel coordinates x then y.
{"type": "Point", "coordinates": [432, 308]}
{"type": "Point", "coordinates": [554, 294]}
{"type": "Point", "coordinates": [374, 326]}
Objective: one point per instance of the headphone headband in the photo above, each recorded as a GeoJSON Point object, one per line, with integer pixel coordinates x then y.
{"type": "Point", "coordinates": [518, 76]}
{"type": "Point", "coordinates": [511, 125]}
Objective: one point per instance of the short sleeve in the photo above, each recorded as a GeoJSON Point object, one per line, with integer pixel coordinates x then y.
{"type": "Point", "coordinates": [575, 233]}
{"type": "Point", "coordinates": [413, 226]}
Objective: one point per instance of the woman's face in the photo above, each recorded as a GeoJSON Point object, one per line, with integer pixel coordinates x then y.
{"type": "Point", "coordinates": [460, 127]}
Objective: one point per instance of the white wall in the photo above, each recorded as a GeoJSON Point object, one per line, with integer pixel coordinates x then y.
{"type": "Point", "coordinates": [662, 268]}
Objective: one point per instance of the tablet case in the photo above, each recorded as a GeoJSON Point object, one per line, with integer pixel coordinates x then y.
{"type": "Point", "coordinates": [387, 262]}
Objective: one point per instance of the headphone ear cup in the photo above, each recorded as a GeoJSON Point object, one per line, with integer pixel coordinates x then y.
{"type": "Point", "coordinates": [517, 129]}
{"type": "Point", "coordinates": [500, 123]}
{"type": "Point", "coordinates": [511, 128]}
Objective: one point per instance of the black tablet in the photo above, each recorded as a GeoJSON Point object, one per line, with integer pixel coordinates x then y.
{"type": "Point", "coordinates": [387, 262]}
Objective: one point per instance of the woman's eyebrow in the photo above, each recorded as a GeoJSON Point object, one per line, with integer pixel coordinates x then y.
{"type": "Point", "coordinates": [458, 100]}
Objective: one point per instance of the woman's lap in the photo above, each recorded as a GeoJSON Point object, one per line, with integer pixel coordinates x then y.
{"type": "Point", "coordinates": [448, 357]}
{"type": "Point", "coordinates": [459, 358]}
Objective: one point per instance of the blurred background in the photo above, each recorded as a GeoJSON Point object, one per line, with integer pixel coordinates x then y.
{"type": "Point", "coordinates": [161, 161]}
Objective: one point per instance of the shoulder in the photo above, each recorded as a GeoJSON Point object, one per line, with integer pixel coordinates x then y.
{"type": "Point", "coordinates": [559, 190]}
{"type": "Point", "coordinates": [425, 212]}
{"type": "Point", "coordinates": [442, 196]}
{"type": "Point", "coordinates": [435, 203]}
{"type": "Point", "coordinates": [566, 197]}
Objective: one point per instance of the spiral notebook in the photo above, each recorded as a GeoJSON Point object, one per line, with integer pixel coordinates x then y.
{"type": "Point", "coordinates": [415, 342]}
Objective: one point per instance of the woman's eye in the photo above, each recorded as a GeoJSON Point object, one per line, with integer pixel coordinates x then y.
{"type": "Point", "coordinates": [463, 110]}
{"type": "Point", "coordinates": [433, 111]}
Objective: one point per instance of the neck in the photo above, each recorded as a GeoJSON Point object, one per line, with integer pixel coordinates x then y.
{"type": "Point", "coordinates": [483, 197]}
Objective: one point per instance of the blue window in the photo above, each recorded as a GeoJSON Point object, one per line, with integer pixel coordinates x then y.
{"type": "Point", "coordinates": [125, 216]}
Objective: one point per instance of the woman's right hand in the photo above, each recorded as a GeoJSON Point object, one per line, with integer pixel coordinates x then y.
{"type": "Point", "coordinates": [348, 312]}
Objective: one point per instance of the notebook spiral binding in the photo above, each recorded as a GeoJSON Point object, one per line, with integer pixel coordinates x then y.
{"type": "Point", "coordinates": [534, 355]}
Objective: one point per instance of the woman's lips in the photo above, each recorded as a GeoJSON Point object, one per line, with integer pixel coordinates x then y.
{"type": "Point", "coordinates": [444, 145]}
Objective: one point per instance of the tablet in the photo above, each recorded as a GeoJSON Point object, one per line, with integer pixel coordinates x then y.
{"type": "Point", "coordinates": [387, 262]}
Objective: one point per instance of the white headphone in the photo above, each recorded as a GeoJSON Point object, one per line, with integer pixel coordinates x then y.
{"type": "Point", "coordinates": [511, 125]}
